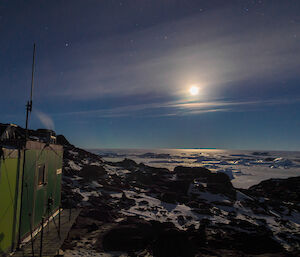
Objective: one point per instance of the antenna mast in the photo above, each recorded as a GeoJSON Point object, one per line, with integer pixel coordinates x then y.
{"type": "Point", "coordinates": [29, 103]}
{"type": "Point", "coordinates": [28, 110]}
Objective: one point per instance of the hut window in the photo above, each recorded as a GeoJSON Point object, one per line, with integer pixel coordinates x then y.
{"type": "Point", "coordinates": [41, 174]}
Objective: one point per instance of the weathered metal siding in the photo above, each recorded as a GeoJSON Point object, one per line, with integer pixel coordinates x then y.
{"type": "Point", "coordinates": [28, 198]}
{"type": "Point", "coordinates": [40, 198]}
{"type": "Point", "coordinates": [10, 198]}
{"type": "Point", "coordinates": [36, 197]}
{"type": "Point", "coordinates": [55, 156]}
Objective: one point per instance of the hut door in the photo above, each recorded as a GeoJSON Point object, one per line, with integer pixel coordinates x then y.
{"type": "Point", "coordinates": [40, 208]}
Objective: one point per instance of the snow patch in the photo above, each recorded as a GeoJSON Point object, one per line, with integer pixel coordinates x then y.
{"type": "Point", "coordinates": [74, 166]}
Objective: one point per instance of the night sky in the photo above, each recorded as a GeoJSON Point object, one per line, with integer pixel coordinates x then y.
{"type": "Point", "coordinates": [117, 74]}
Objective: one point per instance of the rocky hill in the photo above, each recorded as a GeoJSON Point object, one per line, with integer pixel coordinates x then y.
{"type": "Point", "coordinates": [131, 209]}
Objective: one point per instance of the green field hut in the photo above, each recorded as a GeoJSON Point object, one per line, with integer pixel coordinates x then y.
{"type": "Point", "coordinates": [30, 183]}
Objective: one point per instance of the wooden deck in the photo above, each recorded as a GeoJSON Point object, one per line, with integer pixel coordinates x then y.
{"type": "Point", "coordinates": [51, 239]}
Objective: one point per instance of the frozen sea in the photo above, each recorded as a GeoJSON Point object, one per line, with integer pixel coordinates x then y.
{"type": "Point", "coordinates": [245, 168]}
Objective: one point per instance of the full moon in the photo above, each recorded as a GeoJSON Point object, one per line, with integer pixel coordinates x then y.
{"type": "Point", "coordinates": [194, 90]}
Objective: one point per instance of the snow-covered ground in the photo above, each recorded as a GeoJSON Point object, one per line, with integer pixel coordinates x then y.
{"type": "Point", "coordinates": [245, 168]}
{"type": "Point", "coordinates": [139, 197]}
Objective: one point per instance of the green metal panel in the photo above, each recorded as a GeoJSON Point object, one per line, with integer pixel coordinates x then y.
{"type": "Point", "coordinates": [54, 173]}
{"type": "Point", "coordinates": [40, 203]}
{"type": "Point", "coordinates": [10, 198]}
{"type": "Point", "coordinates": [36, 197]}
{"type": "Point", "coordinates": [28, 191]}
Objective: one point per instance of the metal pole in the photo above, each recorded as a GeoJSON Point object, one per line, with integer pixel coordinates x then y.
{"type": "Point", "coordinates": [32, 72]}
{"type": "Point", "coordinates": [59, 221]}
{"type": "Point", "coordinates": [15, 230]}
{"type": "Point", "coordinates": [31, 237]}
{"type": "Point", "coordinates": [48, 210]}
{"type": "Point", "coordinates": [22, 191]}
{"type": "Point", "coordinates": [29, 103]}
{"type": "Point", "coordinates": [28, 109]}
{"type": "Point", "coordinates": [42, 233]}
{"type": "Point", "coordinates": [57, 229]}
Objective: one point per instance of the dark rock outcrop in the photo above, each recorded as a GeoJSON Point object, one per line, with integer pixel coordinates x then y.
{"type": "Point", "coordinates": [60, 139]}
{"type": "Point", "coordinates": [162, 239]}
{"type": "Point", "coordinates": [92, 172]}
{"type": "Point", "coordinates": [278, 189]}
{"type": "Point", "coordinates": [217, 183]}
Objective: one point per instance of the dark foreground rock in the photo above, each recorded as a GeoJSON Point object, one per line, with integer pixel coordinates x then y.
{"type": "Point", "coordinates": [161, 239]}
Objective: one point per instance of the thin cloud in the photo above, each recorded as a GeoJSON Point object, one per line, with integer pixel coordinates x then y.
{"type": "Point", "coordinates": [174, 108]}
{"type": "Point", "coordinates": [213, 50]}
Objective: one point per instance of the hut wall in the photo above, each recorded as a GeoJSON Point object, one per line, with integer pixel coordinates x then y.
{"type": "Point", "coordinates": [10, 198]}
{"type": "Point", "coordinates": [42, 184]}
